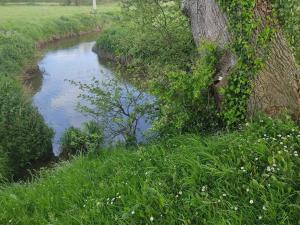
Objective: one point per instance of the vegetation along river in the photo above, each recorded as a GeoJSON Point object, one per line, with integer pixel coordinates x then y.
{"type": "Point", "coordinates": [53, 94]}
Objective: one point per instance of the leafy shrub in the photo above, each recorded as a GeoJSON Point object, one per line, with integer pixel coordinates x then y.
{"type": "Point", "coordinates": [76, 141]}
{"type": "Point", "coordinates": [164, 38]}
{"type": "Point", "coordinates": [25, 138]}
{"type": "Point", "coordinates": [118, 107]}
{"type": "Point", "coordinates": [185, 100]}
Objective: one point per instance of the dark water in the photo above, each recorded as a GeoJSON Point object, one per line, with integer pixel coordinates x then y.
{"type": "Point", "coordinates": [54, 96]}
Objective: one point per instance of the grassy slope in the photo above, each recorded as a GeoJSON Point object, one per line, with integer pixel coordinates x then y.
{"type": "Point", "coordinates": [186, 180]}
{"type": "Point", "coordinates": [43, 22]}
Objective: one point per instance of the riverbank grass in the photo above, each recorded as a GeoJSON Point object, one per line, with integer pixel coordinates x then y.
{"type": "Point", "coordinates": [14, 14]}
{"type": "Point", "coordinates": [43, 22]}
{"type": "Point", "coordinates": [246, 177]}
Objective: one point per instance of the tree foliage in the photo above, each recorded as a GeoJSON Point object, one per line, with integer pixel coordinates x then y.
{"type": "Point", "coordinates": [118, 108]}
{"type": "Point", "coordinates": [185, 100]}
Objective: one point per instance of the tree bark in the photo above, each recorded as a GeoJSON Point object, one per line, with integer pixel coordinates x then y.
{"type": "Point", "coordinates": [276, 87]}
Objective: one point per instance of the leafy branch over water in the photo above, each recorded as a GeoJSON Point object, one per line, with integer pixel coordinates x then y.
{"type": "Point", "coordinates": [118, 107]}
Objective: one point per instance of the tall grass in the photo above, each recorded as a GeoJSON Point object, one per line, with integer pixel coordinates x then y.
{"type": "Point", "coordinates": [246, 177]}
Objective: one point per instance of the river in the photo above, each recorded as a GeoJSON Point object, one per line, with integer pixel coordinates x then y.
{"type": "Point", "coordinates": [54, 96]}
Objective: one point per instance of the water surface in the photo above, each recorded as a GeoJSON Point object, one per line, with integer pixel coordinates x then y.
{"type": "Point", "coordinates": [55, 97]}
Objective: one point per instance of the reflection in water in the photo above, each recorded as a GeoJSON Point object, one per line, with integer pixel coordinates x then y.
{"type": "Point", "coordinates": [33, 80]}
{"type": "Point", "coordinates": [57, 99]}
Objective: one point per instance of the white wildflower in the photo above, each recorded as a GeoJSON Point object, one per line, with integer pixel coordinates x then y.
{"type": "Point", "coordinates": [151, 218]}
{"type": "Point", "coordinates": [204, 188]}
{"type": "Point", "coordinates": [132, 212]}
{"type": "Point", "coordinates": [251, 201]}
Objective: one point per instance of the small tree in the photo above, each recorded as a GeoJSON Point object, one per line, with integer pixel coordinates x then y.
{"type": "Point", "coordinates": [119, 108]}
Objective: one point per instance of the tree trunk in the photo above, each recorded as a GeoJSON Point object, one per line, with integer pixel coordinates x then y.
{"type": "Point", "coordinates": [276, 87]}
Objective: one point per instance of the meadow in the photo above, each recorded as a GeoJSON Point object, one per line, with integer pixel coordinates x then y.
{"type": "Point", "coordinates": [15, 14]}
{"type": "Point", "coordinates": [42, 22]}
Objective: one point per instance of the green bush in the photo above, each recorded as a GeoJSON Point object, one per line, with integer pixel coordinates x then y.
{"type": "Point", "coordinates": [185, 100]}
{"type": "Point", "coordinates": [25, 138]}
{"type": "Point", "coordinates": [76, 141]}
{"type": "Point", "coordinates": [151, 43]}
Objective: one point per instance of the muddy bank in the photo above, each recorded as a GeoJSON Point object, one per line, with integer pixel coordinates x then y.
{"type": "Point", "coordinates": [108, 56]}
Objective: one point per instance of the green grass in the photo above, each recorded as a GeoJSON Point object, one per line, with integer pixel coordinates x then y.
{"type": "Point", "coordinates": [247, 177]}
{"type": "Point", "coordinates": [23, 14]}
{"type": "Point", "coordinates": [43, 22]}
